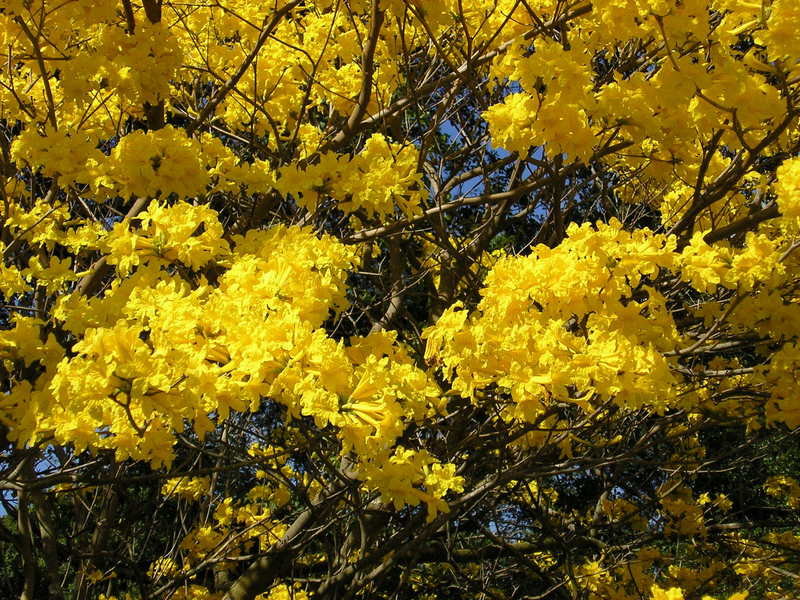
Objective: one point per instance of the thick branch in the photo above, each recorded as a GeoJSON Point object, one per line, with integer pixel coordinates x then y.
{"type": "Point", "coordinates": [745, 224]}
{"type": "Point", "coordinates": [262, 573]}
{"type": "Point", "coordinates": [368, 68]}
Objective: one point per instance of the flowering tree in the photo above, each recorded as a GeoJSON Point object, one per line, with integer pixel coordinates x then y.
{"type": "Point", "coordinates": [394, 299]}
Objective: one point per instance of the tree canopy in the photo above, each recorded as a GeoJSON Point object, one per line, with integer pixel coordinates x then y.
{"type": "Point", "coordinates": [394, 299]}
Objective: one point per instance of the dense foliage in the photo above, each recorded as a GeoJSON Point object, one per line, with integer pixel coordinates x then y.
{"type": "Point", "coordinates": [344, 299]}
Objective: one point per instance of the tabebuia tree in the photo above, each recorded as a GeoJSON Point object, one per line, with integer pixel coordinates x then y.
{"type": "Point", "coordinates": [400, 299]}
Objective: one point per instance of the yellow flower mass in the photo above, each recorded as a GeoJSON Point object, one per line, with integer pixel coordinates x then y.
{"type": "Point", "coordinates": [349, 299]}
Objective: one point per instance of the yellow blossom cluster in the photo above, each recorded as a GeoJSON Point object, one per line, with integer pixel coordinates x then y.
{"type": "Point", "coordinates": [485, 289]}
